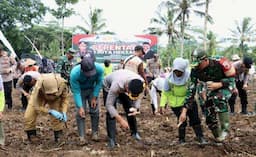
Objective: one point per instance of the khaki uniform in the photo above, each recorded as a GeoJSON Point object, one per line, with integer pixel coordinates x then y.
{"type": "Point", "coordinates": [40, 102]}
{"type": "Point", "coordinates": [132, 63]}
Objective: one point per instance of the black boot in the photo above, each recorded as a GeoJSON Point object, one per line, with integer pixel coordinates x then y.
{"type": "Point", "coordinates": [182, 132]}
{"type": "Point", "coordinates": [199, 134]}
{"type": "Point", "coordinates": [244, 109]}
{"type": "Point", "coordinates": [31, 134]}
{"type": "Point", "coordinates": [111, 130]}
{"type": "Point", "coordinates": [153, 108]}
{"type": "Point", "coordinates": [58, 135]}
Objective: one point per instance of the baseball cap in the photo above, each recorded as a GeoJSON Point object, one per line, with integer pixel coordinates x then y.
{"type": "Point", "coordinates": [139, 48]}
{"type": "Point", "coordinates": [135, 87]}
{"type": "Point", "coordinates": [198, 56]}
{"type": "Point", "coordinates": [247, 62]}
{"type": "Point", "coordinates": [87, 66]}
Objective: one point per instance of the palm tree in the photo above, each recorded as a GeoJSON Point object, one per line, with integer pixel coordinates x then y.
{"type": "Point", "coordinates": [206, 19]}
{"type": "Point", "coordinates": [184, 8]}
{"type": "Point", "coordinates": [244, 32]}
{"type": "Point", "coordinates": [63, 12]}
{"type": "Point", "coordinates": [96, 23]}
{"type": "Point", "coordinates": [164, 22]}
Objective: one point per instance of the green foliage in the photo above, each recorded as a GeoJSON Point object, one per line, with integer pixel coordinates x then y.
{"type": "Point", "coordinates": [243, 33]}
{"type": "Point", "coordinates": [54, 49]}
{"type": "Point", "coordinates": [20, 12]}
{"type": "Point", "coordinates": [95, 23]}
{"type": "Point", "coordinates": [63, 11]}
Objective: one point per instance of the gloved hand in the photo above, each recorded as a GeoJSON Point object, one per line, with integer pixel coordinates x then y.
{"type": "Point", "coordinates": [56, 114]}
{"type": "Point", "coordinates": [64, 117]}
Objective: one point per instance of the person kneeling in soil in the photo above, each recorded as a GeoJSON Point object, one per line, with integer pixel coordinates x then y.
{"type": "Point", "coordinates": [174, 94]}
{"type": "Point", "coordinates": [50, 90]}
{"type": "Point", "coordinates": [128, 87]}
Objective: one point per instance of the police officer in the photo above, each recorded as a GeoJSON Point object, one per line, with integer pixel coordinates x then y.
{"type": "Point", "coordinates": [242, 76]}
{"type": "Point", "coordinates": [215, 82]}
{"type": "Point", "coordinates": [128, 87]}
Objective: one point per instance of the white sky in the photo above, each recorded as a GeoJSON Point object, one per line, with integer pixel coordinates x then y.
{"type": "Point", "coordinates": [130, 17]}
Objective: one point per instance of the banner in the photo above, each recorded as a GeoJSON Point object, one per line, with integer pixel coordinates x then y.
{"type": "Point", "coordinates": [113, 47]}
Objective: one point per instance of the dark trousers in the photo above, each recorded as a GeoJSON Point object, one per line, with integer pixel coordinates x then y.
{"type": "Point", "coordinates": [243, 97]}
{"type": "Point", "coordinates": [111, 122]}
{"type": "Point", "coordinates": [194, 120]}
{"type": "Point", "coordinates": [15, 82]}
{"type": "Point", "coordinates": [8, 93]}
{"type": "Point", "coordinates": [24, 99]}
{"type": "Point", "coordinates": [191, 113]}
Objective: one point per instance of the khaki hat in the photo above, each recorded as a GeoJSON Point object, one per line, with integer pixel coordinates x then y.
{"type": "Point", "coordinates": [50, 83]}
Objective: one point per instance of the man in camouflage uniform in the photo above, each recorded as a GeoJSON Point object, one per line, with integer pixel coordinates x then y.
{"type": "Point", "coordinates": [65, 64]}
{"type": "Point", "coordinates": [214, 81]}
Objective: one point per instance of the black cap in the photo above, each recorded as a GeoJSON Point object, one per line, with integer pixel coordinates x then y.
{"type": "Point", "coordinates": [139, 48]}
{"type": "Point", "coordinates": [135, 86]}
{"type": "Point", "coordinates": [27, 79]}
{"type": "Point", "coordinates": [247, 62]}
{"type": "Point", "coordinates": [87, 66]}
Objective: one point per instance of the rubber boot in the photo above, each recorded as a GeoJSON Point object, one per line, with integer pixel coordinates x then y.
{"type": "Point", "coordinates": [153, 108]}
{"type": "Point", "coordinates": [216, 132]}
{"type": "Point", "coordinates": [199, 134]}
{"type": "Point", "coordinates": [80, 126]}
{"type": "Point", "coordinates": [244, 109]}
{"type": "Point", "coordinates": [58, 135]}
{"type": "Point", "coordinates": [224, 125]}
{"type": "Point", "coordinates": [31, 134]}
{"type": "Point", "coordinates": [32, 137]}
{"type": "Point", "coordinates": [182, 132]}
{"type": "Point", "coordinates": [95, 127]}
{"type": "Point", "coordinates": [111, 130]}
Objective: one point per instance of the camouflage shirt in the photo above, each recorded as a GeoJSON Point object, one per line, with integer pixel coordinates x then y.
{"type": "Point", "coordinates": [64, 67]}
{"type": "Point", "coordinates": [214, 72]}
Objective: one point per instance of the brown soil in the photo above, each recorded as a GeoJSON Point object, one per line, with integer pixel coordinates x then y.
{"type": "Point", "coordinates": [159, 135]}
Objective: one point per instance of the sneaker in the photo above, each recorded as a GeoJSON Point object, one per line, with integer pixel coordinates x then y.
{"type": "Point", "coordinates": [244, 113]}
{"type": "Point", "coordinates": [202, 140]}
{"type": "Point", "coordinates": [95, 136]}
{"type": "Point", "coordinates": [136, 136]}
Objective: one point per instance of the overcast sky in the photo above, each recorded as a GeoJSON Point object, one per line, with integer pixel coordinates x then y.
{"type": "Point", "coordinates": [130, 17]}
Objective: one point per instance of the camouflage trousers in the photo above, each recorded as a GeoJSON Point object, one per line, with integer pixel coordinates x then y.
{"type": "Point", "coordinates": [213, 102]}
